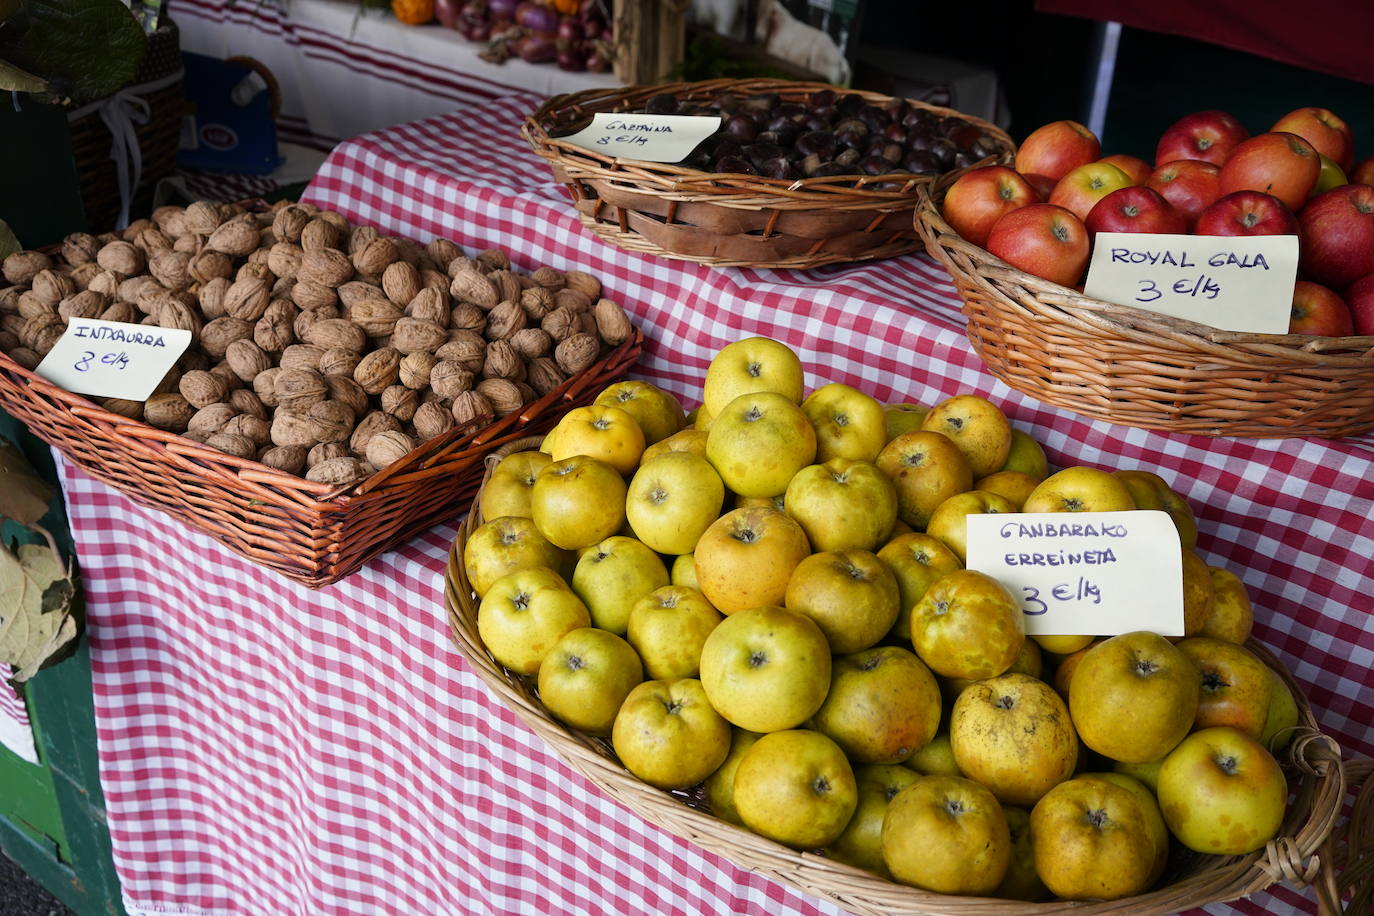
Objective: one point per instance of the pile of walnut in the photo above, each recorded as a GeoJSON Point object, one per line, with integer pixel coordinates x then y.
{"type": "Point", "coordinates": [319, 347]}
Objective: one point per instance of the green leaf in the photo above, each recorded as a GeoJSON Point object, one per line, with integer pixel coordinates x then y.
{"type": "Point", "coordinates": [40, 622]}
{"type": "Point", "coordinates": [13, 79]}
{"type": "Point", "coordinates": [85, 49]}
{"type": "Point", "coordinates": [9, 243]}
{"type": "Point", "coordinates": [24, 496]}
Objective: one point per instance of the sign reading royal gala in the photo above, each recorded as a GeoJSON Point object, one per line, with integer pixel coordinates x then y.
{"type": "Point", "coordinates": [651, 138]}
{"type": "Point", "coordinates": [112, 359]}
{"type": "Point", "coordinates": [1085, 573]}
{"type": "Point", "coordinates": [1236, 283]}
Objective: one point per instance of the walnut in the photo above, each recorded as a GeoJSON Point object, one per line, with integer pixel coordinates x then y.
{"type": "Point", "coordinates": [120, 311]}
{"type": "Point", "coordinates": [337, 471]}
{"type": "Point", "coordinates": [298, 389]}
{"type": "Point", "coordinates": [505, 320]}
{"type": "Point", "coordinates": [85, 304]}
{"type": "Point", "coordinates": [467, 317]}
{"type": "Point", "coordinates": [544, 375]}
{"type": "Point", "coordinates": [150, 296]}
{"type": "Point", "coordinates": [121, 257]}
{"type": "Point", "coordinates": [247, 298]}
{"type": "Point", "coordinates": [503, 362]}
{"type": "Point", "coordinates": [255, 270]}
{"type": "Point", "coordinates": [79, 248]}
{"type": "Point", "coordinates": [320, 233]}
{"type": "Point", "coordinates": [201, 388]}
{"type": "Point", "coordinates": [130, 410]}
{"type": "Point", "coordinates": [493, 259]}
{"type": "Point", "coordinates": [410, 251]}
{"type": "Point", "coordinates": [355, 291]}
{"type": "Point", "coordinates": [41, 332]}
{"type": "Point", "coordinates": [309, 294]}
{"type": "Point", "coordinates": [31, 305]}
{"type": "Point", "coordinates": [346, 391]}
{"type": "Point", "coordinates": [282, 287]}
{"type": "Point", "coordinates": [504, 396]}
{"type": "Point", "coordinates": [8, 340]}
{"type": "Point", "coordinates": [400, 402]}
{"type": "Point", "coordinates": [211, 418]}
{"type": "Point", "coordinates": [527, 392]}
{"type": "Point", "coordinates": [52, 287]}
{"type": "Point", "coordinates": [225, 374]}
{"type": "Point", "coordinates": [21, 267]}
{"type": "Point", "coordinates": [265, 386]}
{"type": "Point", "coordinates": [375, 422]}
{"type": "Point", "coordinates": [167, 411]}
{"type": "Point", "coordinates": [254, 428]}
{"type": "Point", "coordinates": [376, 317]}
{"type": "Point", "coordinates": [378, 369]}
{"type": "Point", "coordinates": [414, 334]}
{"type": "Point", "coordinates": [572, 299]}
{"type": "Point", "coordinates": [560, 324]}
{"type": "Point", "coordinates": [26, 357]}
{"type": "Point", "coordinates": [549, 278]}
{"type": "Point", "coordinates": [274, 331]}
{"type": "Point", "coordinates": [306, 318]}
{"type": "Point", "coordinates": [448, 379]}
{"type": "Point", "coordinates": [415, 369]}
{"type": "Point", "coordinates": [339, 361]}
{"type": "Point", "coordinates": [326, 451]}
{"type": "Point", "coordinates": [218, 334]}
{"type": "Point", "coordinates": [612, 324]}
{"type": "Point", "coordinates": [332, 333]}
{"type": "Point", "coordinates": [246, 402]}
{"type": "Point", "coordinates": [83, 274]}
{"type": "Point", "coordinates": [9, 298]}
{"type": "Point", "coordinates": [152, 241]}
{"type": "Point", "coordinates": [584, 283]}
{"type": "Point", "coordinates": [470, 286]}
{"type": "Point", "coordinates": [236, 238]}
{"type": "Point", "coordinates": [433, 279]}
{"type": "Point", "coordinates": [507, 285]}
{"type": "Point", "coordinates": [432, 419]}
{"type": "Point", "coordinates": [531, 342]}
{"type": "Point", "coordinates": [292, 427]}
{"type": "Point", "coordinates": [206, 266]}
{"type": "Point", "coordinates": [585, 323]}
{"type": "Point", "coordinates": [203, 217]}
{"type": "Point", "coordinates": [171, 220]}
{"type": "Point", "coordinates": [375, 256]}
{"type": "Point", "coordinates": [359, 237]}
{"type": "Point", "coordinates": [537, 302]}
{"type": "Point", "coordinates": [460, 264]}
{"type": "Point", "coordinates": [132, 288]}
{"type": "Point", "coordinates": [430, 305]}
{"type": "Point", "coordinates": [211, 296]}
{"type": "Point", "coordinates": [174, 313]}
{"type": "Point", "coordinates": [386, 448]}
{"type": "Point", "coordinates": [289, 222]}
{"type": "Point", "coordinates": [233, 444]}
{"type": "Point", "coordinates": [247, 359]}
{"type": "Point", "coordinates": [105, 282]}
{"type": "Point", "coordinates": [333, 420]}
{"type": "Point", "coordinates": [301, 356]}
{"type": "Point", "coordinates": [472, 410]}
{"type": "Point", "coordinates": [284, 259]}
{"type": "Point", "coordinates": [577, 353]}
{"type": "Point", "coordinates": [289, 459]}
{"type": "Point", "coordinates": [441, 251]}
{"type": "Point", "coordinates": [466, 349]}
{"type": "Point", "coordinates": [326, 266]}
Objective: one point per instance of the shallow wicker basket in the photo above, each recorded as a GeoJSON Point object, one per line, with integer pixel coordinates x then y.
{"type": "Point", "coordinates": [1139, 368]}
{"type": "Point", "coordinates": [1307, 846]}
{"type": "Point", "coordinates": [729, 220]}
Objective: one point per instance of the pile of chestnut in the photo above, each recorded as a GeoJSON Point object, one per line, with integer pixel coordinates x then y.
{"type": "Point", "coordinates": [829, 134]}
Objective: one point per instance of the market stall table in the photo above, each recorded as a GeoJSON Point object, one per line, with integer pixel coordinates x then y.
{"type": "Point", "coordinates": [266, 749]}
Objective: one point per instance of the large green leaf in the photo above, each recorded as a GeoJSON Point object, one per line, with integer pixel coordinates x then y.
{"type": "Point", "coordinates": [12, 79]}
{"type": "Point", "coordinates": [38, 620]}
{"type": "Point", "coordinates": [85, 49]}
{"type": "Point", "coordinates": [24, 496]}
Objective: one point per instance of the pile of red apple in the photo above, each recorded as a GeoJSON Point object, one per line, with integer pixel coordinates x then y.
{"type": "Point", "coordinates": [1210, 177]}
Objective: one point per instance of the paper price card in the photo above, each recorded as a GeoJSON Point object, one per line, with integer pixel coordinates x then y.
{"type": "Point", "coordinates": [1085, 573]}
{"type": "Point", "coordinates": [112, 359]}
{"type": "Point", "coordinates": [1234, 283]}
{"type": "Point", "coordinates": [652, 138]}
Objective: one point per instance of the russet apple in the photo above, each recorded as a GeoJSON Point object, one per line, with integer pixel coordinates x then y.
{"type": "Point", "coordinates": [658, 413]}
{"type": "Point", "coordinates": [980, 430]}
{"type": "Point", "coordinates": [936, 758]}
{"type": "Point", "coordinates": [947, 834]}
{"type": "Point", "coordinates": [967, 625]}
{"type": "Point", "coordinates": [1222, 793]}
{"type": "Point", "coordinates": [926, 468]}
{"type": "Point", "coordinates": [1190, 185]}
{"type": "Point", "coordinates": [608, 434]}
{"type": "Point", "coordinates": [1246, 213]}
{"type": "Point", "coordinates": [1206, 135]}
{"type": "Point", "coordinates": [758, 441]}
{"type": "Point", "coordinates": [668, 734]}
{"type": "Point", "coordinates": [883, 705]}
{"type": "Point", "coordinates": [1283, 715]}
{"type": "Point", "coordinates": [1197, 592]}
{"type": "Point", "coordinates": [668, 627]}
{"type": "Point", "coordinates": [842, 504]}
{"type": "Point", "coordinates": [1013, 734]}
{"type": "Point", "coordinates": [1026, 455]}
{"type": "Point", "coordinates": [507, 490]}
{"type": "Point", "coordinates": [685, 440]}
{"type": "Point", "coordinates": [578, 501]}
{"type": "Point", "coordinates": [1149, 491]}
{"type": "Point", "coordinates": [585, 678]}
{"type": "Point", "coordinates": [1021, 881]}
{"type": "Point", "coordinates": [720, 785]}
{"type": "Point", "coordinates": [1337, 233]}
{"type": "Point", "coordinates": [1013, 486]}
{"type": "Point", "coordinates": [1328, 134]}
{"type": "Point", "coordinates": [504, 544]}
{"type": "Point", "coordinates": [1069, 662]}
{"type": "Point", "coordinates": [848, 423]}
{"type": "Point", "coordinates": [1094, 839]}
{"type": "Point", "coordinates": [1232, 615]}
{"type": "Point", "coordinates": [1134, 209]}
{"type": "Point", "coordinates": [949, 520]}
{"type": "Point", "coordinates": [747, 366]}
{"type": "Point", "coordinates": [766, 668]}
{"type": "Point", "coordinates": [851, 594]}
{"type": "Point", "coordinates": [1235, 685]}
{"type": "Point", "coordinates": [796, 787]}
{"type": "Point", "coordinates": [611, 576]}
{"type": "Point", "coordinates": [902, 418]}
{"type": "Point", "coordinates": [1147, 774]}
{"type": "Point", "coordinates": [1278, 163]}
{"type": "Point", "coordinates": [1042, 239]}
{"type": "Point", "coordinates": [672, 500]}
{"type": "Point", "coordinates": [981, 196]}
{"type": "Point", "coordinates": [1319, 311]}
{"type": "Point", "coordinates": [861, 843]}
{"type": "Point", "coordinates": [917, 560]}
{"type": "Point", "coordinates": [684, 571]}
{"type": "Point", "coordinates": [1054, 149]}
{"type": "Point", "coordinates": [744, 559]}
{"type": "Point", "coordinates": [1081, 189]}
{"type": "Point", "coordinates": [1133, 697]}
{"type": "Point", "coordinates": [1079, 489]}
{"type": "Point", "coordinates": [525, 613]}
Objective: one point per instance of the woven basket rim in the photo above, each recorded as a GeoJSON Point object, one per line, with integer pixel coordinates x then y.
{"type": "Point", "coordinates": [1315, 773]}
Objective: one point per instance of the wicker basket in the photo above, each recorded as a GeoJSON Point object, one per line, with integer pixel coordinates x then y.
{"type": "Point", "coordinates": [1302, 854]}
{"type": "Point", "coordinates": [729, 220]}
{"type": "Point", "coordinates": [310, 532]}
{"type": "Point", "coordinates": [1139, 368]}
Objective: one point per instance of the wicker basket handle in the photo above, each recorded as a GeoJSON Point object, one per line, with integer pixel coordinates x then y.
{"type": "Point", "coordinates": [1348, 853]}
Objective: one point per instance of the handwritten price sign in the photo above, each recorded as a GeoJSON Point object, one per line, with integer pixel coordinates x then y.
{"type": "Point", "coordinates": [1233, 283]}
{"type": "Point", "coordinates": [112, 359]}
{"type": "Point", "coordinates": [651, 138]}
{"type": "Point", "coordinates": [1085, 573]}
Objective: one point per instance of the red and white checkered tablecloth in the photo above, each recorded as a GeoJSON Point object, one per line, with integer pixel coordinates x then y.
{"type": "Point", "coordinates": [266, 749]}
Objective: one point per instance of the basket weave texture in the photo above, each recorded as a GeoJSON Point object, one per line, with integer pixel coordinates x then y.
{"type": "Point", "coordinates": [1307, 850]}
{"type": "Point", "coordinates": [307, 531]}
{"type": "Point", "coordinates": [1139, 368]}
{"type": "Point", "coordinates": [729, 220]}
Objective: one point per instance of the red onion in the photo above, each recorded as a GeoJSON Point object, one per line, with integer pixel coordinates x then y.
{"type": "Point", "coordinates": [479, 31]}
{"type": "Point", "coordinates": [502, 9]}
{"type": "Point", "coordinates": [570, 30]}
{"type": "Point", "coordinates": [537, 18]}
{"type": "Point", "coordinates": [597, 62]}
{"type": "Point", "coordinates": [537, 47]}
{"type": "Point", "coordinates": [570, 59]}
{"type": "Point", "coordinates": [593, 29]}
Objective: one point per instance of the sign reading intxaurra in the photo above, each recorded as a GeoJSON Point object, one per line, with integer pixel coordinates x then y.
{"type": "Point", "coordinates": [112, 359]}
{"type": "Point", "coordinates": [1085, 573]}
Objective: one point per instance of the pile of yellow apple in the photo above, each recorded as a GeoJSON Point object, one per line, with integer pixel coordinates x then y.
{"type": "Point", "coordinates": [769, 598]}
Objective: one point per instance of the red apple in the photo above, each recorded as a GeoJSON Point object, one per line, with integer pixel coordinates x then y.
{"type": "Point", "coordinates": [1134, 209]}
{"type": "Point", "coordinates": [1363, 173]}
{"type": "Point", "coordinates": [1042, 239]}
{"type": "Point", "coordinates": [1247, 213]}
{"type": "Point", "coordinates": [1136, 168]}
{"type": "Point", "coordinates": [1277, 163]}
{"type": "Point", "coordinates": [1206, 135]}
{"type": "Point", "coordinates": [980, 197]}
{"type": "Point", "coordinates": [1359, 298]}
{"type": "Point", "coordinates": [1056, 148]}
{"type": "Point", "coordinates": [1083, 187]}
{"type": "Point", "coordinates": [1328, 134]}
{"type": "Point", "coordinates": [1191, 185]}
{"type": "Point", "coordinates": [1317, 310]}
{"type": "Point", "coordinates": [1043, 186]}
{"type": "Point", "coordinates": [1337, 232]}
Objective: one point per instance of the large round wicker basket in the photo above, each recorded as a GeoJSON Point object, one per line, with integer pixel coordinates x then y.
{"type": "Point", "coordinates": [1308, 849]}
{"type": "Point", "coordinates": [1140, 368]}
{"type": "Point", "coordinates": [730, 219]}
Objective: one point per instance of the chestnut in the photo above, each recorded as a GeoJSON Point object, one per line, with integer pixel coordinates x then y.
{"type": "Point", "coordinates": [735, 165]}
{"type": "Point", "coordinates": [665, 103]}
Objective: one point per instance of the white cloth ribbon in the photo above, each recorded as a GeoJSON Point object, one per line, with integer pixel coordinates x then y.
{"type": "Point", "coordinates": [122, 112]}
